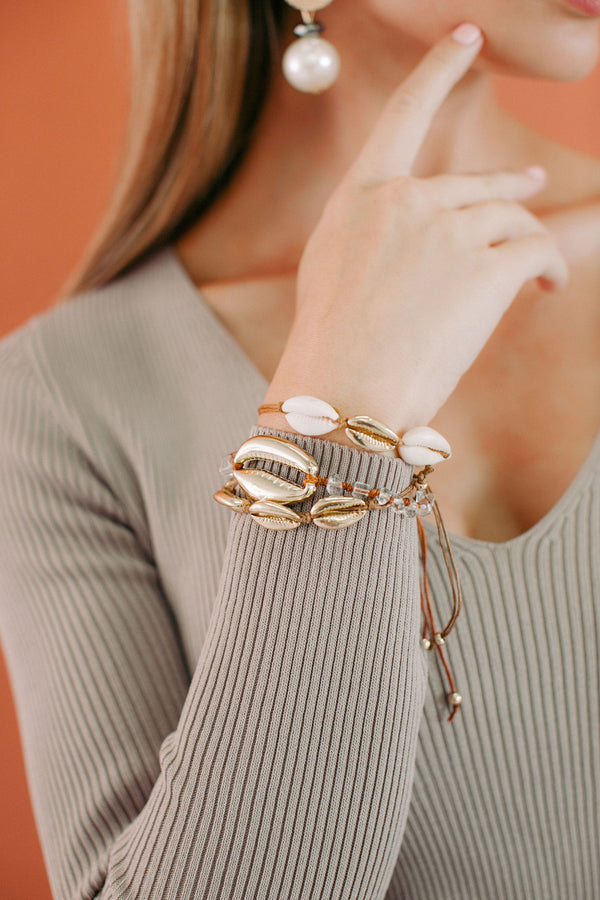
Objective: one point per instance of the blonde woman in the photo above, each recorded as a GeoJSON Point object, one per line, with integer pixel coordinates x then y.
{"type": "Point", "coordinates": [213, 709]}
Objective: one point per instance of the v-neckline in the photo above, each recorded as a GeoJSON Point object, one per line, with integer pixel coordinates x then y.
{"type": "Point", "coordinates": [457, 540]}
{"type": "Point", "coordinates": [216, 322]}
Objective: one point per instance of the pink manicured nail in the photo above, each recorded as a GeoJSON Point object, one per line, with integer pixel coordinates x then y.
{"type": "Point", "coordinates": [466, 33]}
{"type": "Point", "coordinates": [537, 172]}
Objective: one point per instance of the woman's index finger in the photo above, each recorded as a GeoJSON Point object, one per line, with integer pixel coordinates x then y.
{"type": "Point", "coordinates": [393, 145]}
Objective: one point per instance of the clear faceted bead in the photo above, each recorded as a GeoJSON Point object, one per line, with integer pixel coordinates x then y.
{"type": "Point", "coordinates": [383, 497]}
{"type": "Point", "coordinates": [361, 490]}
{"type": "Point", "coordinates": [422, 496]}
{"type": "Point", "coordinates": [424, 503]}
{"type": "Point", "coordinates": [334, 486]}
{"type": "Point", "coordinates": [411, 510]}
{"type": "Point", "coordinates": [226, 467]}
{"type": "Point", "coordinates": [398, 504]}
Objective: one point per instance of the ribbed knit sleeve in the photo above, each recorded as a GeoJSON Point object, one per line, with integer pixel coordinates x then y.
{"type": "Point", "coordinates": [281, 767]}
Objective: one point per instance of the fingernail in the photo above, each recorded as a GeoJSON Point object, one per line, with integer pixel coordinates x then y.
{"type": "Point", "coordinates": [537, 172]}
{"type": "Point", "coordinates": [466, 33]}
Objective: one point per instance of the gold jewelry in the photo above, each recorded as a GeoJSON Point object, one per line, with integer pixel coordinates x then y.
{"type": "Point", "coordinates": [328, 512]}
{"type": "Point", "coordinates": [271, 493]}
{"type": "Point", "coordinates": [420, 446]}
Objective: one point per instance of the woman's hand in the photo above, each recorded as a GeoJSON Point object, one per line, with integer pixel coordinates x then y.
{"type": "Point", "coordinates": [404, 279]}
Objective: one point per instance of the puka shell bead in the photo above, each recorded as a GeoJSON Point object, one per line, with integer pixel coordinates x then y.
{"type": "Point", "coordinates": [424, 446]}
{"type": "Point", "coordinates": [309, 415]}
{"type": "Point", "coordinates": [311, 64]}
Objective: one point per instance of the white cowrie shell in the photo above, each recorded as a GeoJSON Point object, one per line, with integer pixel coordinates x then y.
{"type": "Point", "coordinates": [309, 415]}
{"type": "Point", "coordinates": [423, 446]}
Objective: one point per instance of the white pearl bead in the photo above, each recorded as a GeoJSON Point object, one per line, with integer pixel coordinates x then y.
{"type": "Point", "coordinates": [310, 5]}
{"type": "Point", "coordinates": [311, 64]}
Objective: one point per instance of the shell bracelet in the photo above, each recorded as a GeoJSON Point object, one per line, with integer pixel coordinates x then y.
{"type": "Point", "coordinates": [269, 496]}
{"type": "Point", "coordinates": [420, 446]}
{"type": "Point", "coordinates": [269, 493]}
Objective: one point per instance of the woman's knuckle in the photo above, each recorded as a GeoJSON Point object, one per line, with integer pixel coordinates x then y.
{"type": "Point", "coordinates": [512, 208]}
{"type": "Point", "coordinates": [411, 193]}
{"type": "Point", "coordinates": [498, 266]}
{"type": "Point", "coordinates": [407, 101]}
{"type": "Point", "coordinates": [452, 226]}
{"type": "Point", "coordinates": [529, 218]}
{"type": "Point", "coordinates": [489, 183]}
{"type": "Point", "coordinates": [441, 56]}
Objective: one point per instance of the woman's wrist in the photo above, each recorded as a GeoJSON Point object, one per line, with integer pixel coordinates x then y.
{"type": "Point", "coordinates": [277, 421]}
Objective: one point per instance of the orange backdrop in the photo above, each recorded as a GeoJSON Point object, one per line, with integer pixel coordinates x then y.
{"type": "Point", "coordinates": [64, 72]}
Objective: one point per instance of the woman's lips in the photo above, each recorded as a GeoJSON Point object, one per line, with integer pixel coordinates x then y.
{"type": "Point", "coordinates": [590, 7]}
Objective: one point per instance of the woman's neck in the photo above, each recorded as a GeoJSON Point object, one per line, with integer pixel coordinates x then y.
{"type": "Point", "coordinates": [328, 130]}
{"type": "Point", "coordinates": [304, 144]}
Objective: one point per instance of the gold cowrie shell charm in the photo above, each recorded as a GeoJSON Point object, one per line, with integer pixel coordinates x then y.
{"type": "Point", "coordinates": [226, 497]}
{"type": "Point", "coordinates": [370, 434]}
{"type": "Point", "coordinates": [338, 512]}
{"type": "Point", "coordinates": [262, 485]}
{"type": "Point", "coordinates": [423, 446]}
{"type": "Point", "coordinates": [310, 416]}
{"type": "Point", "coordinates": [275, 516]}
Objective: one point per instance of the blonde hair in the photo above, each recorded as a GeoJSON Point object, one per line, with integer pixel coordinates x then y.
{"type": "Point", "coordinates": [201, 70]}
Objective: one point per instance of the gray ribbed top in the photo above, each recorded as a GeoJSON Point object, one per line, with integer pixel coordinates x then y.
{"type": "Point", "coordinates": [213, 710]}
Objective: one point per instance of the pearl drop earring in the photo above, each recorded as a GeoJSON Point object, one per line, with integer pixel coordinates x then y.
{"type": "Point", "coordinates": [311, 64]}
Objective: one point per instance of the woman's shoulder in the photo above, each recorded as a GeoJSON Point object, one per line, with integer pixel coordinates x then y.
{"type": "Point", "coordinates": [109, 333]}
{"type": "Point", "coordinates": [100, 358]}
{"type": "Point", "coordinates": [118, 314]}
